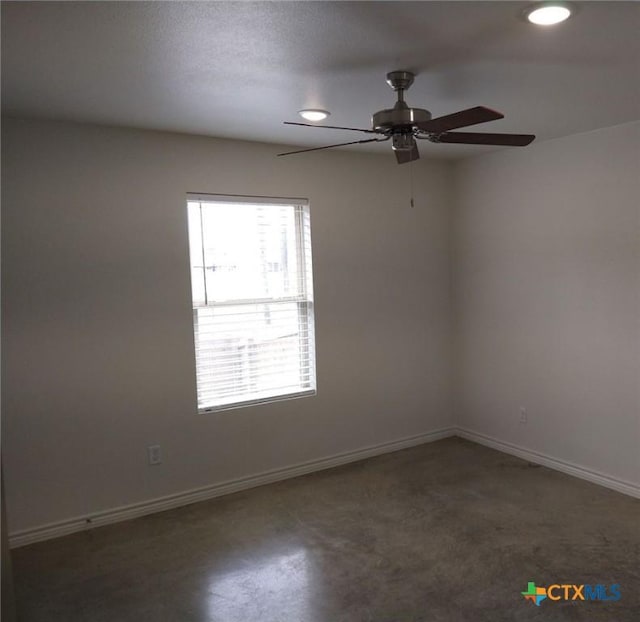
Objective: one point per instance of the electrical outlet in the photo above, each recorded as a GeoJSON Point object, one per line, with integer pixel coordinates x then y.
{"type": "Point", "coordinates": [155, 454]}
{"type": "Point", "coordinates": [523, 414]}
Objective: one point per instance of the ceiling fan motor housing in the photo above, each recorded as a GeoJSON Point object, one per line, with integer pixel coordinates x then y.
{"type": "Point", "coordinates": [399, 121]}
{"type": "Point", "coordinates": [401, 118]}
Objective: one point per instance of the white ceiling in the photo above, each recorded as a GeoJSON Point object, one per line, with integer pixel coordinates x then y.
{"type": "Point", "coordinates": [238, 69]}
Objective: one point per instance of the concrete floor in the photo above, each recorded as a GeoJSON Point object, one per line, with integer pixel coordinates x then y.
{"type": "Point", "coordinates": [447, 531]}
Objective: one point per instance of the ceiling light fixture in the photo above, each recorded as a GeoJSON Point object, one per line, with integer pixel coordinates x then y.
{"type": "Point", "coordinates": [312, 114]}
{"type": "Point", "coordinates": [548, 13]}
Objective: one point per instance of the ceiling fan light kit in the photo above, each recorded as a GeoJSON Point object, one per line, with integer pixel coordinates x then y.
{"type": "Point", "coordinates": [403, 124]}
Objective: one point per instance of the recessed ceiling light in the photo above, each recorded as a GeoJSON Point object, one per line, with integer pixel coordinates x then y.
{"type": "Point", "coordinates": [548, 13]}
{"type": "Point", "coordinates": [313, 114]}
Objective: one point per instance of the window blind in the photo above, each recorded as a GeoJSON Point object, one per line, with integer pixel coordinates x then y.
{"type": "Point", "coordinates": [252, 294]}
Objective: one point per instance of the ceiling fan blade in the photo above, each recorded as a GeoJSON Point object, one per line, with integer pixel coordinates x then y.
{"type": "Point", "coordinates": [471, 116]}
{"type": "Point", "coordinates": [353, 142]}
{"type": "Point", "coordinates": [407, 156]}
{"type": "Point", "coordinates": [479, 138]}
{"type": "Point", "coordinates": [331, 127]}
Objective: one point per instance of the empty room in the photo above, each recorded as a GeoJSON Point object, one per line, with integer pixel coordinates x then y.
{"type": "Point", "coordinates": [320, 311]}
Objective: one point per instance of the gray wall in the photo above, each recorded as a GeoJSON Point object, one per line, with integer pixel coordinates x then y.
{"type": "Point", "coordinates": [547, 298]}
{"type": "Point", "coordinates": [98, 350]}
{"type": "Point", "coordinates": [97, 337]}
{"type": "Point", "coordinates": [7, 595]}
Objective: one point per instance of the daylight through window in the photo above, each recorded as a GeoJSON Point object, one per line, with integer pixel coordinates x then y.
{"type": "Point", "coordinates": [252, 299]}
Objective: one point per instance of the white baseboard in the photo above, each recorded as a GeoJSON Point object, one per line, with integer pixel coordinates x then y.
{"type": "Point", "coordinates": [115, 515]}
{"type": "Point", "coordinates": [625, 487]}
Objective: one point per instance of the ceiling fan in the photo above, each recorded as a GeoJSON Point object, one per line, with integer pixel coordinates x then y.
{"type": "Point", "coordinates": [402, 125]}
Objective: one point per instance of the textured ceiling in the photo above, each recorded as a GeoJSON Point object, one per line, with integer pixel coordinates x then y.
{"type": "Point", "coordinates": [238, 69]}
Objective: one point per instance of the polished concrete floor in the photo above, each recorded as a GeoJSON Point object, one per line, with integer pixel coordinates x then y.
{"type": "Point", "coordinates": [447, 531]}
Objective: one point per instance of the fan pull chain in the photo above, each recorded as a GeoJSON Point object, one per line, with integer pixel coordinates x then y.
{"type": "Point", "coordinates": [411, 182]}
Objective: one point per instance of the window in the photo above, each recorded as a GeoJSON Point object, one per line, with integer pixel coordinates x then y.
{"type": "Point", "coordinates": [252, 299]}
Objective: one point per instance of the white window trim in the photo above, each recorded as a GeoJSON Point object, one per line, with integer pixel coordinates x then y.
{"type": "Point", "coordinates": [237, 198]}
